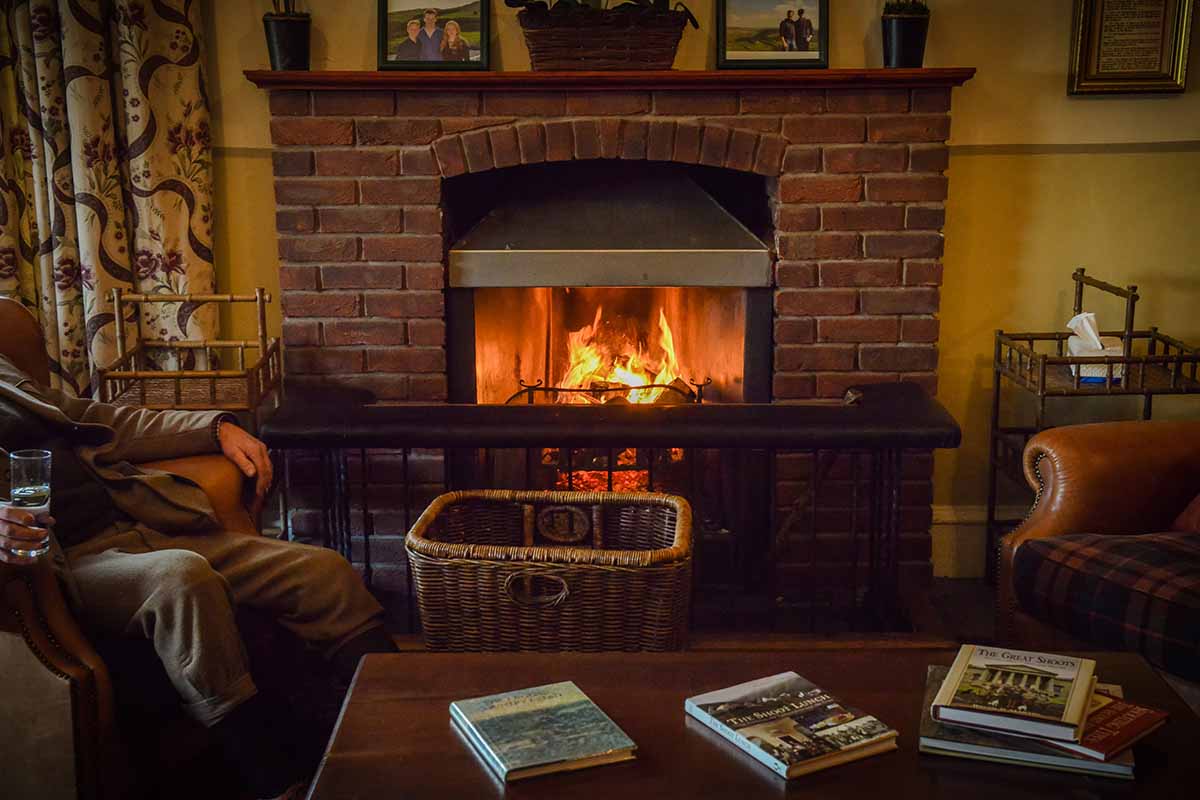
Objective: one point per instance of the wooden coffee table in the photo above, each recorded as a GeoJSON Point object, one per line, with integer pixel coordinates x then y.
{"type": "Point", "coordinates": [394, 737]}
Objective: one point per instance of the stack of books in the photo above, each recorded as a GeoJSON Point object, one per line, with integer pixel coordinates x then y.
{"type": "Point", "coordinates": [1035, 709]}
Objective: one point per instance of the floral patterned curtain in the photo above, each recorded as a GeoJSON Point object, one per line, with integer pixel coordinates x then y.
{"type": "Point", "coordinates": [105, 172]}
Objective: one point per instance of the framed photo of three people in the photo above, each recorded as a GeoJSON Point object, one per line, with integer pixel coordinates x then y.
{"type": "Point", "coordinates": [421, 34]}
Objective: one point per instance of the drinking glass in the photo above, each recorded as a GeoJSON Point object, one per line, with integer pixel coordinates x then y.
{"type": "Point", "coordinates": [30, 490]}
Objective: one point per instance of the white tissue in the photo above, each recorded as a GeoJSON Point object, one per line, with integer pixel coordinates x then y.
{"type": "Point", "coordinates": [1087, 341]}
{"type": "Point", "coordinates": [1084, 326]}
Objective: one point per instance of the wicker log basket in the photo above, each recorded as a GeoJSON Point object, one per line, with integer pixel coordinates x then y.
{"type": "Point", "coordinates": [503, 570]}
{"type": "Point", "coordinates": [570, 36]}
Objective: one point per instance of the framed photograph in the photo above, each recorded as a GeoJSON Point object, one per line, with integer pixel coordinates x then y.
{"type": "Point", "coordinates": [419, 34]}
{"type": "Point", "coordinates": [771, 34]}
{"type": "Point", "coordinates": [1129, 46]}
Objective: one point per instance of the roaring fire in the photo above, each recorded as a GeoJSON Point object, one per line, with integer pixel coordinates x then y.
{"type": "Point", "coordinates": [601, 356]}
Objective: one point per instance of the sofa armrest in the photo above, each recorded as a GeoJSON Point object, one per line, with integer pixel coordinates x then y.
{"type": "Point", "coordinates": [228, 490]}
{"type": "Point", "coordinates": [1110, 477]}
{"type": "Point", "coordinates": [1113, 477]}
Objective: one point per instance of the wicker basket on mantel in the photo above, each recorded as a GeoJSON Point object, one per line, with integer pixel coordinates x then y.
{"type": "Point", "coordinates": [592, 39]}
{"type": "Point", "coordinates": [504, 570]}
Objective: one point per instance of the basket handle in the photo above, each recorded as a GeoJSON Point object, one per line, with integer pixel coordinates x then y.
{"type": "Point", "coordinates": [522, 593]}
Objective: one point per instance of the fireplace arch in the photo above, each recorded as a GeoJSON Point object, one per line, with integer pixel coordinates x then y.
{"type": "Point", "coordinates": [684, 141]}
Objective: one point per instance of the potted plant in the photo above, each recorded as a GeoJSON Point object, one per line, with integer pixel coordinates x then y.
{"type": "Point", "coordinates": [287, 35]}
{"type": "Point", "coordinates": [905, 25]}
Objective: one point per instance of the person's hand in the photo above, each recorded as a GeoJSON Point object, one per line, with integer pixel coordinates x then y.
{"type": "Point", "coordinates": [20, 530]}
{"type": "Point", "coordinates": [251, 457]}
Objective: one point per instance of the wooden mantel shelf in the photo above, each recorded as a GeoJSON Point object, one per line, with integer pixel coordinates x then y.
{"type": "Point", "coordinates": [614, 81]}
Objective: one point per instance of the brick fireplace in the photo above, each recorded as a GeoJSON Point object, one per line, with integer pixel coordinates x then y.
{"type": "Point", "coordinates": [853, 163]}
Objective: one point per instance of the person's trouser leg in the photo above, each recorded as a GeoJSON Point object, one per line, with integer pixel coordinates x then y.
{"type": "Point", "coordinates": [167, 589]}
{"type": "Point", "coordinates": [181, 604]}
{"type": "Point", "coordinates": [312, 591]}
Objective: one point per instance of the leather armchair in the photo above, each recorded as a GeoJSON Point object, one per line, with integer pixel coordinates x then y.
{"type": "Point", "coordinates": [60, 738]}
{"type": "Point", "coordinates": [1105, 478]}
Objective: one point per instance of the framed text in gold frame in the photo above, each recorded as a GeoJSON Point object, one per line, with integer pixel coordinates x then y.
{"type": "Point", "coordinates": [1129, 46]}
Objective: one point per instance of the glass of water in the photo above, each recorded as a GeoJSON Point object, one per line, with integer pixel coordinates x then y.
{"type": "Point", "coordinates": [30, 478]}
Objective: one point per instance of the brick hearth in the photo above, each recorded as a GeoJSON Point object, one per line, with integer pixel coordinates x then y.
{"type": "Point", "coordinates": [855, 177]}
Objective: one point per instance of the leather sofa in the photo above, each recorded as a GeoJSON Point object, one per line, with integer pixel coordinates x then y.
{"type": "Point", "coordinates": [60, 736]}
{"type": "Point", "coordinates": [1101, 561]}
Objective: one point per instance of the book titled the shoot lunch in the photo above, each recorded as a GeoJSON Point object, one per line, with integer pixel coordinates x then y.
{"type": "Point", "coordinates": [1017, 692]}
{"type": "Point", "coordinates": [552, 728]}
{"type": "Point", "coordinates": [791, 725]}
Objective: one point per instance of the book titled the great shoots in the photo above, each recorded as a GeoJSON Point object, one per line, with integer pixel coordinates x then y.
{"type": "Point", "coordinates": [961, 741]}
{"type": "Point", "coordinates": [544, 729]}
{"type": "Point", "coordinates": [1017, 691]}
{"type": "Point", "coordinates": [790, 724]}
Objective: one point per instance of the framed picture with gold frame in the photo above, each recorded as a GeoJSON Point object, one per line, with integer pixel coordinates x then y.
{"type": "Point", "coordinates": [1121, 46]}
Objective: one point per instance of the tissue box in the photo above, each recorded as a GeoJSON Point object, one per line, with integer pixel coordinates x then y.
{"type": "Point", "coordinates": [1077, 346]}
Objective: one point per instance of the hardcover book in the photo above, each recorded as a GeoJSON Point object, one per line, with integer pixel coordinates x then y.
{"type": "Point", "coordinates": [1113, 725]}
{"type": "Point", "coordinates": [552, 728]}
{"type": "Point", "coordinates": [1017, 691]}
{"type": "Point", "coordinates": [962, 742]}
{"type": "Point", "coordinates": [791, 725]}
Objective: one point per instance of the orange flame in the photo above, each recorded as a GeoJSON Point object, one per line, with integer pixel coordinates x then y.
{"type": "Point", "coordinates": [601, 357]}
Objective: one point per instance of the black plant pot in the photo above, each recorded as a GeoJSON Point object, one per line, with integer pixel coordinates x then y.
{"type": "Point", "coordinates": [904, 39]}
{"type": "Point", "coordinates": [287, 40]}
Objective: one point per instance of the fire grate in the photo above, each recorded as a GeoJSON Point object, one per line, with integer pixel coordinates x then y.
{"type": "Point", "coordinates": [689, 392]}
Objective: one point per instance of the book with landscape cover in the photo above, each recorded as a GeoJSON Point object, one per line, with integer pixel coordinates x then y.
{"type": "Point", "coordinates": [1113, 724]}
{"type": "Point", "coordinates": [790, 724]}
{"type": "Point", "coordinates": [1017, 692]}
{"type": "Point", "coordinates": [962, 742]}
{"type": "Point", "coordinates": [552, 728]}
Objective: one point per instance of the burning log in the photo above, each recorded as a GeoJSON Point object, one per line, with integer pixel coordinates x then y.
{"type": "Point", "coordinates": [610, 360]}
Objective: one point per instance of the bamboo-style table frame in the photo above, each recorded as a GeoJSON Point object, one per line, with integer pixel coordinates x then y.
{"type": "Point", "coordinates": [255, 378]}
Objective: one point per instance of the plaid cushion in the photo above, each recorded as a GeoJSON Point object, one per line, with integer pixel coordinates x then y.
{"type": "Point", "coordinates": [1121, 592]}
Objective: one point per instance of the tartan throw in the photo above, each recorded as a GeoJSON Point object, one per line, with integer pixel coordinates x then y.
{"type": "Point", "coordinates": [1138, 593]}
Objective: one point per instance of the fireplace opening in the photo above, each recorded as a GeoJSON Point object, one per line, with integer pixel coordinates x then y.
{"type": "Point", "coordinates": [599, 345]}
{"type": "Point", "coordinates": [604, 282]}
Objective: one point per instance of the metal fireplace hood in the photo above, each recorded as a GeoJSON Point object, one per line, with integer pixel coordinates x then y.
{"type": "Point", "coordinates": [652, 226]}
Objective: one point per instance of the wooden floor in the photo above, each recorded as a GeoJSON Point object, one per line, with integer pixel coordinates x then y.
{"type": "Point", "coordinates": [960, 609]}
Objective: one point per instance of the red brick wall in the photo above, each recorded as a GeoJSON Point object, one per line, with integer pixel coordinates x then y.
{"type": "Point", "coordinates": [856, 186]}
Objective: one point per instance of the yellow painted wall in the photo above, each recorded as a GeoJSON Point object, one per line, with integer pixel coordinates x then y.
{"type": "Point", "coordinates": [1039, 182]}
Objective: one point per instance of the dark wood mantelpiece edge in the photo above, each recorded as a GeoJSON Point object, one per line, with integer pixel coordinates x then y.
{"type": "Point", "coordinates": [614, 81]}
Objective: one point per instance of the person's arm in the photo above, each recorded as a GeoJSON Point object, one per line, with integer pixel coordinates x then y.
{"type": "Point", "coordinates": [142, 435]}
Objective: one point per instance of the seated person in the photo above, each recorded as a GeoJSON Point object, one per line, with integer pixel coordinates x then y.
{"type": "Point", "coordinates": [141, 553]}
